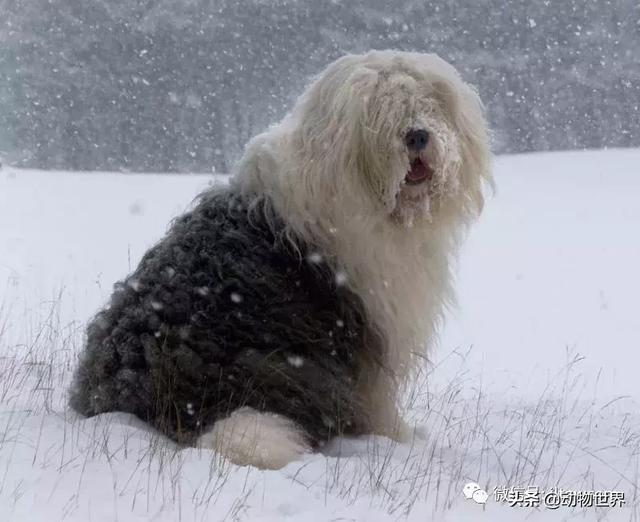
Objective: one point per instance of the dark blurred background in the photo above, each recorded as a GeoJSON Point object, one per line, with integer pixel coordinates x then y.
{"type": "Point", "coordinates": [180, 85]}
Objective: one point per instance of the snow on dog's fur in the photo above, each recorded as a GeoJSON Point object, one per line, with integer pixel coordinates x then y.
{"type": "Point", "coordinates": [290, 307]}
{"type": "Point", "coordinates": [337, 167]}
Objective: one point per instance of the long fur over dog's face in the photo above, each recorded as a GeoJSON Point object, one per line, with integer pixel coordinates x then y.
{"type": "Point", "coordinates": [338, 169]}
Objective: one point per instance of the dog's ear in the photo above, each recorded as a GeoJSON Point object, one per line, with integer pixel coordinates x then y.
{"type": "Point", "coordinates": [463, 104]}
{"type": "Point", "coordinates": [329, 123]}
{"type": "Point", "coordinates": [331, 108]}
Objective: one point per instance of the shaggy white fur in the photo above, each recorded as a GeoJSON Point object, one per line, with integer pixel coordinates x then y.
{"type": "Point", "coordinates": [337, 169]}
{"type": "Point", "coordinates": [250, 437]}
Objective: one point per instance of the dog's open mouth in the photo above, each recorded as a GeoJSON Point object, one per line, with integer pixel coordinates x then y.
{"type": "Point", "coordinates": [419, 172]}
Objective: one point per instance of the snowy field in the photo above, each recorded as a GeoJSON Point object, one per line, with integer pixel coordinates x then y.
{"type": "Point", "coordinates": [534, 382]}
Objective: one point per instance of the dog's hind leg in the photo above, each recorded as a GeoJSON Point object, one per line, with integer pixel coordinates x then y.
{"type": "Point", "coordinates": [262, 439]}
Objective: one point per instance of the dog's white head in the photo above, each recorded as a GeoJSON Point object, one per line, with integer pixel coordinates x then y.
{"type": "Point", "coordinates": [401, 130]}
{"type": "Point", "coordinates": [380, 164]}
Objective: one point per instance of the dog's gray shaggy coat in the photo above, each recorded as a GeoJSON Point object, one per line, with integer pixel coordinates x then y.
{"type": "Point", "coordinates": [225, 313]}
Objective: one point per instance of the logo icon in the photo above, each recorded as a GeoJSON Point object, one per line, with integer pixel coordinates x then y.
{"type": "Point", "coordinates": [473, 491]}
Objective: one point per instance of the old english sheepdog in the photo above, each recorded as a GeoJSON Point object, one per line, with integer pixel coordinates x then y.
{"type": "Point", "coordinates": [290, 306]}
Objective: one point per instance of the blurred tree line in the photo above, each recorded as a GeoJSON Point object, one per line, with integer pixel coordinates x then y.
{"type": "Point", "coordinates": [180, 85]}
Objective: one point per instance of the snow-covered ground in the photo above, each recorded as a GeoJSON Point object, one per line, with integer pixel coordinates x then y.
{"type": "Point", "coordinates": [534, 382]}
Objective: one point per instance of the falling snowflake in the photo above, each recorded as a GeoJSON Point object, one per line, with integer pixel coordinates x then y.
{"type": "Point", "coordinates": [295, 360]}
{"type": "Point", "coordinates": [134, 284]}
{"type": "Point", "coordinates": [236, 297]}
{"type": "Point", "coordinates": [315, 258]}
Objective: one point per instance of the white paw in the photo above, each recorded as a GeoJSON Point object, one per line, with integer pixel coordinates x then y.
{"type": "Point", "coordinates": [261, 439]}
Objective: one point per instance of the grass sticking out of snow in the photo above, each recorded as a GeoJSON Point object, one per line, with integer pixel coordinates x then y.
{"type": "Point", "coordinates": [55, 465]}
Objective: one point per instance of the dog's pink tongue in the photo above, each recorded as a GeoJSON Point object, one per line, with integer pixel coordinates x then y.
{"type": "Point", "coordinates": [419, 172]}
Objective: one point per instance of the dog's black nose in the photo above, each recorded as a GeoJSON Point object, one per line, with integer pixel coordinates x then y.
{"type": "Point", "coordinates": [417, 140]}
